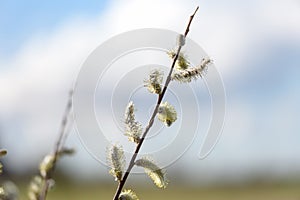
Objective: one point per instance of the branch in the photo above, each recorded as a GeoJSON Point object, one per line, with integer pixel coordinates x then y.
{"type": "Point", "coordinates": [63, 134]}
{"type": "Point", "coordinates": [189, 24]}
{"type": "Point", "coordinates": [151, 121]}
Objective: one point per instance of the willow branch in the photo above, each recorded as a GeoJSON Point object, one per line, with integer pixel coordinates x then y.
{"type": "Point", "coordinates": [63, 133]}
{"type": "Point", "coordinates": [151, 121]}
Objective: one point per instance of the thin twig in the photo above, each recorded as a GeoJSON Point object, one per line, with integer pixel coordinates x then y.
{"type": "Point", "coordinates": [151, 121]}
{"type": "Point", "coordinates": [63, 133]}
{"type": "Point", "coordinates": [190, 21]}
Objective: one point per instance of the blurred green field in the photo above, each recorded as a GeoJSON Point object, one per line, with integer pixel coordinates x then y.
{"type": "Point", "coordinates": [254, 192]}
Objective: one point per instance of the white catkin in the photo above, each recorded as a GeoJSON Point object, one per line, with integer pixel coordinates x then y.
{"type": "Point", "coordinates": [116, 160]}
{"type": "Point", "coordinates": [157, 175]}
{"type": "Point", "coordinates": [133, 129]}
{"type": "Point", "coordinates": [181, 40]}
{"type": "Point", "coordinates": [189, 74]}
{"type": "Point", "coordinates": [154, 81]}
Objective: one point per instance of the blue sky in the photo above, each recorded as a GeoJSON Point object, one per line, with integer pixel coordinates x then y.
{"type": "Point", "coordinates": [19, 20]}
{"type": "Point", "coordinates": [255, 46]}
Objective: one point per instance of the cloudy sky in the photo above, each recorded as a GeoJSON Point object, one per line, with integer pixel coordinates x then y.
{"type": "Point", "coordinates": [255, 46]}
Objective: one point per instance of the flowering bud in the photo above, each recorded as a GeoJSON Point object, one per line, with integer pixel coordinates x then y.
{"type": "Point", "coordinates": [167, 113]}
{"type": "Point", "coordinates": [46, 165]}
{"type": "Point", "coordinates": [154, 82]}
{"type": "Point", "coordinates": [157, 175]}
{"type": "Point", "coordinates": [128, 195]}
{"type": "Point", "coordinates": [133, 129]}
{"type": "Point", "coordinates": [181, 63]}
{"type": "Point", "coordinates": [192, 73]}
{"type": "Point", "coordinates": [116, 160]}
{"type": "Point", "coordinates": [181, 40]}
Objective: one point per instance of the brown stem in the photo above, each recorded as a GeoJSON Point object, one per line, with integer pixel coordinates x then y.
{"type": "Point", "coordinates": [151, 121]}
{"type": "Point", "coordinates": [58, 146]}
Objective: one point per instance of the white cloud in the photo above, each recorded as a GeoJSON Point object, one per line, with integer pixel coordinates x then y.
{"type": "Point", "coordinates": [282, 16]}
{"type": "Point", "coordinates": [34, 83]}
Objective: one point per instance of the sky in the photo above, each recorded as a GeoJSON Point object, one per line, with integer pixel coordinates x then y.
{"type": "Point", "coordinates": [255, 46]}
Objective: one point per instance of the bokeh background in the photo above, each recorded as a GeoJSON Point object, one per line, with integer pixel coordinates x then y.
{"type": "Point", "coordinates": [255, 45]}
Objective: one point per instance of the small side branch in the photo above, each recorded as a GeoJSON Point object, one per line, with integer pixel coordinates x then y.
{"type": "Point", "coordinates": [190, 22]}
{"type": "Point", "coordinates": [63, 134]}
